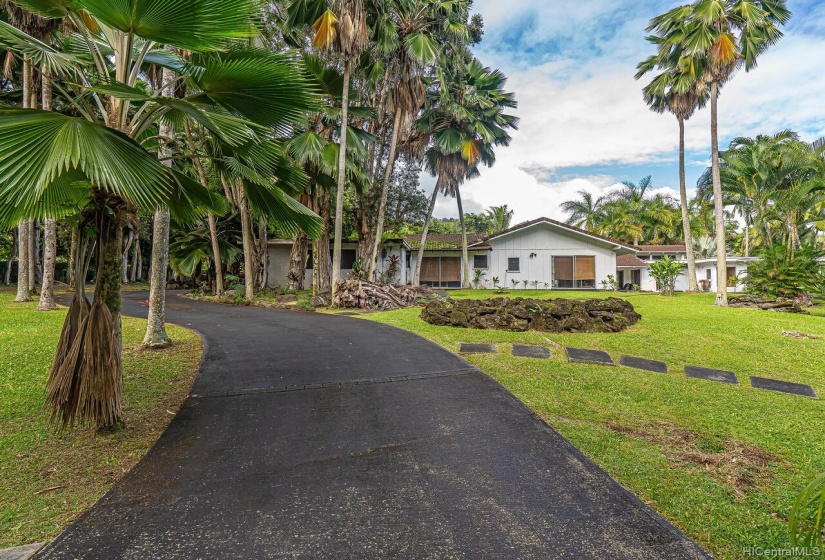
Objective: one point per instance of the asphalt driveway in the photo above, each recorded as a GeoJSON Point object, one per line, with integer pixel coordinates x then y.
{"type": "Point", "coordinates": [317, 436]}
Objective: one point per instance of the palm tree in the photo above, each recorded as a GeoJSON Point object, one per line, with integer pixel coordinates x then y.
{"type": "Point", "coordinates": [682, 94]}
{"type": "Point", "coordinates": [415, 47]}
{"type": "Point", "coordinates": [721, 36]}
{"type": "Point", "coordinates": [120, 172]}
{"type": "Point", "coordinates": [585, 212]}
{"type": "Point", "coordinates": [500, 216]}
{"type": "Point", "coordinates": [344, 28]}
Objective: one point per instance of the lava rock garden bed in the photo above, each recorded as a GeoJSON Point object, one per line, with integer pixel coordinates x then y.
{"type": "Point", "coordinates": [543, 315]}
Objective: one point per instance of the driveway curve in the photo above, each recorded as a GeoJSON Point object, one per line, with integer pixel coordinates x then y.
{"type": "Point", "coordinates": [317, 436]}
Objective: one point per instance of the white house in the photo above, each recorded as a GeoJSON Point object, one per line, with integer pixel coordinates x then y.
{"type": "Point", "coordinates": [543, 252]}
{"type": "Point", "coordinates": [632, 269]}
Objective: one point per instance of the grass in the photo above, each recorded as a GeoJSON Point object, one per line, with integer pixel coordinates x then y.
{"type": "Point", "coordinates": [722, 463]}
{"type": "Point", "coordinates": [48, 479]}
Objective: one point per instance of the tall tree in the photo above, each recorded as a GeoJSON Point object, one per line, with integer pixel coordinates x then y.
{"type": "Point", "coordinates": [721, 36]}
{"type": "Point", "coordinates": [682, 93]}
{"type": "Point", "coordinates": [344, 28]}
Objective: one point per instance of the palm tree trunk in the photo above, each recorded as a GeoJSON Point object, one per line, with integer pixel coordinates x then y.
{"type": "Point", "coordinates": [124, 267]}
{"type": "Point", "coordinates": [342, 177]}
{"type": "Point", "coordinates": [248, 246]}
{"type": "Point", "coordinates": [156, 336]}
{"type": "Point", "coordinates": [73, 248]}
{"type": "Point", "coordinates": [417, 274]}
{"type": "Point", "coordinates": [385, 188]}
{"type": "Point", "coordinates": [465, 256]}
{"type": "Point", "coordinates": [693, 284]}
{"type": "Point", "coordinates": [718, 203]}
{"type": "Point", "coordinates": [10, 262]}
{"type": "Point", "coordinates": [213, 226]}
{"type": "Point", "coordinates": [262, 255]}
{"type": "Point", "coordinates": [134, 273]}
{"type": "Point", "coordinates": [49, 256]}
{"type": "Point", "coordinates": [298, 262]}
{"type": "Point", "coordinates": [23, 289]}
{"type": "Point", "coordinates": [747, 237]}
{"type": "Point", "coordinates": [35, 274]}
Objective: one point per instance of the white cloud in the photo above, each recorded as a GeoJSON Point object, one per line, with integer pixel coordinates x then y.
{"type": "Point", "coordinates": [572, 70]}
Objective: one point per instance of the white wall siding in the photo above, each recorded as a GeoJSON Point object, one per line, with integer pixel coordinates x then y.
{"type": "Point", "coordinates": [545, 243]}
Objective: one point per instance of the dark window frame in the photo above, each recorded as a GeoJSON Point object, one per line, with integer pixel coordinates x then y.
{"type": "Point", "coordinates": [486, 262]}
{"type": "Point", "coordinates": [510, 264]}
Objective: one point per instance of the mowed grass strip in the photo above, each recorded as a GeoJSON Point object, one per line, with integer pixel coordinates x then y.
{"type": "Point", "coordinates": [722, 463]}
{"type": "Point", "coordinates": [48, 479]}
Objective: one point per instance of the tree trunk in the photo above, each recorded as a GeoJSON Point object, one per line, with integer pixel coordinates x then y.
{"type": "Point", "coordinates": [213, 225]}
{"type": "Point", "coordinates": [342, 178]}
{"type": "Point", "coordinates": [10, 262]}
{"type": "Point", "coordinates": [747, 238]}
{"type": "Point", "coordinates": [108, 280]}
{"type": "Point", "coordinates": [298, 262]}
{"type": "Point", "coordinates": [718, 203]}
{"type": "Point", "coordinates": [385, 188]}
{"type": "Point", "coordinates": [134, 273]}
{"type": "Point", "coordinates": [324, 262]}
{"type": "Point", "coordinates": [465, 255]}
{"type": "Point", "coordinates": [73, 249]}
{"type": "Point", "coordinates": [417, 274]}
{"type": "Point", "coordinates": [693, 285]}
{"type": "Point", "coordinates": [35, 272]}
{"type": "Point", "coordinates": [248, 246]}
{"type": "Point", "coordinates": [49, 256]}
{"type": "Point", "coordinates": [124, 267]}
{"type": "Point", "coordinates": [23, 289]}
{"type": "Point", "coordinates": [262, 255]}
{"type": "Point", "coordinates": [156, 336]}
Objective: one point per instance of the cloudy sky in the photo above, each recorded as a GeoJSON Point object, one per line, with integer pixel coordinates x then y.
{"type": "Point", "coordinates": [584, 124]}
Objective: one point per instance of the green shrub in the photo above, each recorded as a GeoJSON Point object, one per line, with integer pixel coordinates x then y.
{"type": "Point", "coordinates": [665, 272]}
{"type": "Point", "coordinates": [784, 273]}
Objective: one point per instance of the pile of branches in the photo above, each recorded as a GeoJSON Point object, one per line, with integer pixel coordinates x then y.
{"type": "Point", "coordinates": [358, 294]}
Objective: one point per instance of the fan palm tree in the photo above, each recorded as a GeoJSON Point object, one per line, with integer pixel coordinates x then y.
{"type": "Point", "coordinates": [342, 27]}
{"type": "Point", "coordinates": [681, 93]}
{"type": "Point", "coordinates": [720, 36]}
{"type": "Point", "coordinates": [465, 121]}
{"type": "Point", "coordinates": [113, 123]}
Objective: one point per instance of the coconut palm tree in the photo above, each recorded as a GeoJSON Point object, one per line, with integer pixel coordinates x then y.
{"type": "Point", "coordinates": [682, 93]}
{"type": "Point", "coordinates": [721, 36]}
{"type": "Point", "coordinates": [500, 217]}
{"type": "Point", "coordinates": [584, 212]}
{"type": "Point", "coordinates": [98, 75]}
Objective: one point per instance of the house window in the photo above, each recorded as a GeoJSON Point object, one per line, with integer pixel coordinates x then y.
{"type": "Point", "coordinates": [309, 259]}
{"type": "Point", "coordinates": [480, 262]}
{"type": "Point", "coordinates": [513, 264]}
{"type": "Point", "coordinates": [574, 272]}
{"type": "Point", "coordinates": [409, 259]}
{"type": "Point", "coordinates": [348, 258]}
{"type": "Point", "coordinates": [708, 273]}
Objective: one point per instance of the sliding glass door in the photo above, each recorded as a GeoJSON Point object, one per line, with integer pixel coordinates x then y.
{"type": "Point", "coordinates": [574, 272]}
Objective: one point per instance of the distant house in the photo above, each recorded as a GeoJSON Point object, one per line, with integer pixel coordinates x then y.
{"type": "Point", "coordinates": [544, 252]}
{"type": "Point", "coordinates": [632, 269]}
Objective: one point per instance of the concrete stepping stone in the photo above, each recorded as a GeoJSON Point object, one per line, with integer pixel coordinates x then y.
{"type": "Point", "coordinates": [468, 348]}
{"type": "Point", "coordinates": [798, 389]}
{"type": "Point", "coordinates": [21, 552]}
{"type": "Point", "coordinates": [643, 364]}
{"type": "Point", "coordinates": [589, 356]}
{"type": "Point", "coordinates": [525, 351]}
{"type": "Point", "coordinates": [708, 374]}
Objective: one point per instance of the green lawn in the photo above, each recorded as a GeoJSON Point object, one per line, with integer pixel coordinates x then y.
{"type": "Point", "coordinates": [47, 479]}
{"type": "Point", "coordinates": [722, 463]}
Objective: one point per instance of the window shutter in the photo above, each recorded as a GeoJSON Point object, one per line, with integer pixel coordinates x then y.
{"type": "Point", "coordinates": [585, 268]}
{"type": "Point", "coordinates": [563, 268]}
{"type": "Point", "coordinates": [513, 264]}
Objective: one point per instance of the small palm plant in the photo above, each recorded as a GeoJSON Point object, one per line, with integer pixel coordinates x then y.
{"type": "Point", "coordinates": [665, 272]}
{"type": "Point", "coordinates": [535, 284]}
{"type": "Point", "coordinates": [514, 282]}
{"type": "Point", "coordinates": [525, 282]}
{"type": "Point", "coordinates": [496, 283]}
